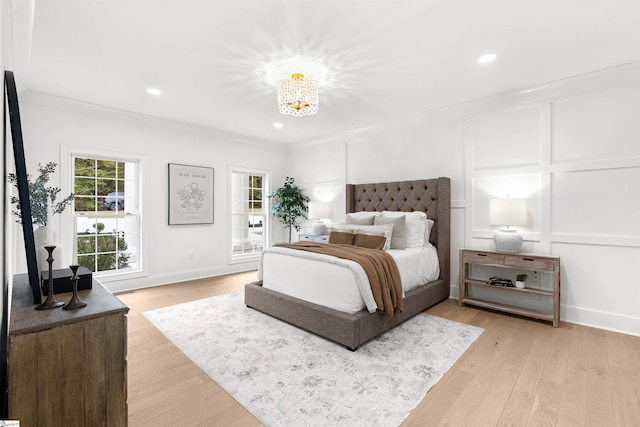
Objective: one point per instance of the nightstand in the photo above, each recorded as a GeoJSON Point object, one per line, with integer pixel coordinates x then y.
{"type": "Point", "coordinates": [314, 238]}
{"type": "Point", "coordinates": [540, 299]}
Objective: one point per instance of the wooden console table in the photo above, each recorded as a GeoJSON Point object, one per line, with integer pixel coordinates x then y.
{"type": "Point", "coordinates": [67, 367]}
{"type": "Point", "coordinates": [514, 262]}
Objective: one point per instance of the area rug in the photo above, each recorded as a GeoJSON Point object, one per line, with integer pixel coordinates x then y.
{"type": "Point", "coordinates": [288, 377]}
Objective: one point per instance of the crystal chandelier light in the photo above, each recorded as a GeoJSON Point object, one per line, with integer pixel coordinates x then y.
{"type": "Point", "coordinates": [298, 96]}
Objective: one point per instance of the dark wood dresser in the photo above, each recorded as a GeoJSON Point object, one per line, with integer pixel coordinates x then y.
{"type": "Point", "coordinates": [67, 367]}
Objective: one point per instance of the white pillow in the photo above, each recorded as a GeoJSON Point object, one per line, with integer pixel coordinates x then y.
{"type": "Point", "coordinates": [415, 227]}
{"type": "Point", "coordinates": [398, 239]}
{"type": "Point", "coordinates": [385, 230]}
{"type": "Point", "coordinates": [361, 218]}
{"type": "Point", "coordinates": [427, 233]}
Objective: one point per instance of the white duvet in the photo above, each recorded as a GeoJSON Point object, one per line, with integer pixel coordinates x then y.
{"type": "Point", "coordinates": [339, 283]}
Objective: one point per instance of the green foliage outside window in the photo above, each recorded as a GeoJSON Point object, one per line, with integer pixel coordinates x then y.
{"type": "Point", "coordinates": [255, 193]}
{"type": "Point", "coordinates": [94, 179]}
{"type": "Point", "coordinates": [108, 249]}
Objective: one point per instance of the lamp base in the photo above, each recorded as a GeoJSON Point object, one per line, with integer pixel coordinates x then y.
{"type": "Point", "coordinates": [319, 228]}
{"type": "Point", "coordinates": [508, 241]}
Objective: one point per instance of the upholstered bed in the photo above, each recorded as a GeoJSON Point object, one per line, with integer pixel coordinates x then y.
{"type": "Point", "coordinates": [431, 196]}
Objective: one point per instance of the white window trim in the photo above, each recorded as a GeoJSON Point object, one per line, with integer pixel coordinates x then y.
{"type": "Point", "coordinates": [67, 226]}
{"type": "Point", "coordinates": [266, 183]}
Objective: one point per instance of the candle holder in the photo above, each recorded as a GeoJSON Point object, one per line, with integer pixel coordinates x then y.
{"type": "Point", "coordinates": [74, 302]}
{"type": "Point", "coordinates": [51, 301]}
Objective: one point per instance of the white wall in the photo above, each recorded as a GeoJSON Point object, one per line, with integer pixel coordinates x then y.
{"type": "Point", "coordinates": [173, 253]}
{"type": "Point", "coordinates": [319, 169]}
{"type": "Point", "coordinates": [571, 148]}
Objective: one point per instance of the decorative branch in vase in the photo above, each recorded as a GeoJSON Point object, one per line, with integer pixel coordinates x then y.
{"type": "Point", "coordinates": [42, 197]}
{"type": "Point", "coordinates": [43, 205]}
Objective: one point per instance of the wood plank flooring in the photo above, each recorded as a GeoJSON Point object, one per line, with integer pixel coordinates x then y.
{"type": "Point", "coordinates": [519, 372]}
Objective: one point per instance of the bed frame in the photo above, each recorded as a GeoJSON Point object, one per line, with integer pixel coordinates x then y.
{"type": "Point", "coordinates": [431, 196]}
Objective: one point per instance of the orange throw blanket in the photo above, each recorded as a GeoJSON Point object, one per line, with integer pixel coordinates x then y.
{"type": "Point", "coordinates": [380, 267]}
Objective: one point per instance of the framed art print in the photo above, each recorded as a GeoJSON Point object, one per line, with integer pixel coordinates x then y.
{"type": "Point", "coordinates": [190, 194]}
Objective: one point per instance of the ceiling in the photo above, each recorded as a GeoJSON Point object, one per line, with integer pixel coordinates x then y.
{"type": "Point", "coordinates": [385, 62]}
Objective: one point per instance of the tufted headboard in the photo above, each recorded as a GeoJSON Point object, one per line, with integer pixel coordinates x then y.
{"type": "Point", "coordinates": [431, 196]}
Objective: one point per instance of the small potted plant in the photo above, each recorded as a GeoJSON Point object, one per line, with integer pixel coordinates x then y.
{"type": "Point", "coordinates": [520, 279]}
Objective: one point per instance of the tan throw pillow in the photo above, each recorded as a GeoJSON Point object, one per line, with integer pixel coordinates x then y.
{"type": "Point", "coordinates": [341, 237]}
{"type": "Point", "coordinates": [375, 230]}
{"type": "Point", "coordinates": [369, 241]}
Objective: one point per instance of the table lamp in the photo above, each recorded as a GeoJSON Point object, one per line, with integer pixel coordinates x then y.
{"type": "Point", "coordinates": [508, 212]}
{"type": "Point", "coordinates": [319, 211]}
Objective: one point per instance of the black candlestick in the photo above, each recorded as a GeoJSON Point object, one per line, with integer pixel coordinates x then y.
{"type": "Point", "coordinates": [51, 301]}
{"type": "Point", "coordinates": [74, 302]}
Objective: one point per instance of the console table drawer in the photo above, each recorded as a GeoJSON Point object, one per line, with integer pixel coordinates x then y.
{"type": "Point", "coordinates": [529, 263]}
{"type": "Point", "coordinates": [480, 257]}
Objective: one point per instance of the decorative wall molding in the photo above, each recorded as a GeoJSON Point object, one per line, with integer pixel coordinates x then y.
{"type": "Point", "coordinates": [579, 239]}
{"type": "Point", "coordinates": [488, 234]}
{"type": "Point", "coordinates": [595, 165]}
{"type": "Point", "coordinates": [458, 204]}
{"type": "Point", "coordinates": [595, 239]}
{"type": "Point", "coordinates": [588, 189]}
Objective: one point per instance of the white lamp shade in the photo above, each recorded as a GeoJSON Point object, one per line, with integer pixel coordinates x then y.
{"type": "Point", "coordinates": [508, 211]}
{"type": "Point", "coordinates": [320, 210]}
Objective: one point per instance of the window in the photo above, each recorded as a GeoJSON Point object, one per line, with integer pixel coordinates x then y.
{"type": "Point", "coordinates": [248, 215]}
{"type": "Point", "coordinates": [106, 214]}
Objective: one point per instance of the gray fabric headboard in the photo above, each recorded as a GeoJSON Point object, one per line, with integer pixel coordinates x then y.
{"type": "Point", "coordinates": [431, 196]}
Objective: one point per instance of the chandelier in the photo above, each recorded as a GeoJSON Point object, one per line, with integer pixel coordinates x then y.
{"type": "Point", "coordinates": [298, 97]}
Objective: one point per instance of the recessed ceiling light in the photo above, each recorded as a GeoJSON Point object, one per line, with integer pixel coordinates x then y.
{"type": "Point", "coordinates": [278, 125]}
{"type": "Point", "coordinates": [489, 57]}
{"type": "Point", "coordinates": [153, 91]}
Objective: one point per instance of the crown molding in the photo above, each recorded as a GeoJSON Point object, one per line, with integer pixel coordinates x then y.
{"type": "Point", "coordinates": [584, 84]}
{"type": "Point", "coordinates": [66, 104]}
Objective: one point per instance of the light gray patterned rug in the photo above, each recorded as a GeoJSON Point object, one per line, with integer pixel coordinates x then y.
{"type": "Point", "coordinates": [288, 377]}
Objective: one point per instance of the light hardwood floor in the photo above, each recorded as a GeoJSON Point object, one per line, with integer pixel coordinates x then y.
{"type": "Point", "coordinates": [519, 372]}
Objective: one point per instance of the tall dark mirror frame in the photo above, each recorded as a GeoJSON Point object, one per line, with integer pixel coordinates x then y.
{"type": "Point", "coordinates": [23, 186]}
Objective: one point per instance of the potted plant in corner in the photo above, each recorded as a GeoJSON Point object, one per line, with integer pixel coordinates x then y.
{"type": "Point", "coordinates": [520, 279]}
{"type": "Point", "coordinates": [290, 204]}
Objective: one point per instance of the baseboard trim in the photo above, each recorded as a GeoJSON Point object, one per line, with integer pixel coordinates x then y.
{"type": "Point", "coordinates": [587, 317]}
{"type": "Point", "coordinates": [121, 286]}
{"type": "Point", "coordinates": [600, 319]}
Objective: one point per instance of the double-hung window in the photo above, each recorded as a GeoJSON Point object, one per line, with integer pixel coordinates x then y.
{"type": "Point", "coordinates": [248, 213]}
{"type": "Point", "coordinates": [107, 222]}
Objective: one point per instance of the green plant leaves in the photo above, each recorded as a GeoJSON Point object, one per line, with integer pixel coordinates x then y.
{"type": "Point", "coordinates": [40, 195]}
{"type": "Point", "coordinates": [290, 204]}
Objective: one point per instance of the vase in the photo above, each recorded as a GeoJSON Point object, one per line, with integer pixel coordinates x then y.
{"type": "Point", "coordinates": [519, 284]}
{"type": "Point", "coordinates": [43, 235]}
{"type": "Point", "coordinates": [40, 239]}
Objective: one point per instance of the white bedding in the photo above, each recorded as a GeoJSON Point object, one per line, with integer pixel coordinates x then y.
{"type": "Point", "coordinates": [339, 283]}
